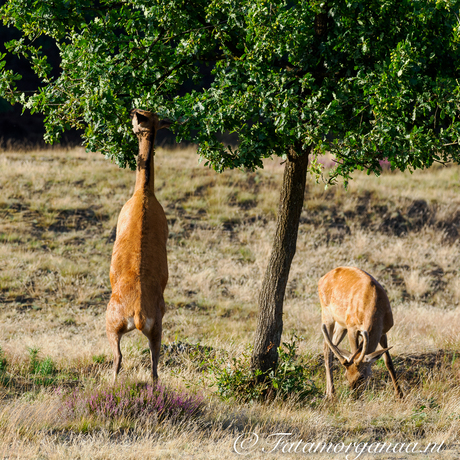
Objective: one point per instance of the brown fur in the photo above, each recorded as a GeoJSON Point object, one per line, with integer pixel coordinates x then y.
{"type": "Point", "coordinates": [354, 303]}
{"type": "Point", "coordinates": [139, 268]}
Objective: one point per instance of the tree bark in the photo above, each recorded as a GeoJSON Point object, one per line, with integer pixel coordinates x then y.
{"type": "Point", "coordinates": [271, 298]}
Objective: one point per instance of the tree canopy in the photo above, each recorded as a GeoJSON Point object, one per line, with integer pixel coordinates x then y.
{"type": "Point", "coordinates": [365, 80]}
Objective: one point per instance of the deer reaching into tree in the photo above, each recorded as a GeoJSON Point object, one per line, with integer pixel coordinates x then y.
{"type": "Point", "coordinates": [139, 268]}
{"type": "Point", "coordinates": [353, 302]}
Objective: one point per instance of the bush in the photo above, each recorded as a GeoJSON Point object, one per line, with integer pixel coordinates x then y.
{"type": "Point", "coordinates": [43, 370]}
{"type": "Point", "coordinates": [133, 400]}
{"type": "Point", "coordinates": [291, 378]}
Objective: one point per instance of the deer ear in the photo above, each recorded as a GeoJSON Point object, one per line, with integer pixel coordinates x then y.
{"type": "Point", "coordinates": [141, 114]}
{"type": "Point", "coordinates": [166, 123]}
{"type": "Point", "coordinates": [372, 357]}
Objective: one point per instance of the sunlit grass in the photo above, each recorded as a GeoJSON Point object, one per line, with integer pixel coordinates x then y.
{"type": "Point", "coordinates": [58, 212]}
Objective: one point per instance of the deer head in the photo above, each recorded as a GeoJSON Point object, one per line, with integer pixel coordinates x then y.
{"type": "Point", "coordinates": [358, 365]}
{"type": "Point", "coordinates": [146, 122]}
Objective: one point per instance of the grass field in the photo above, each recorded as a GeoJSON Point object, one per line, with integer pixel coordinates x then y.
{"type": "Point", "coordinates": [58, 213]}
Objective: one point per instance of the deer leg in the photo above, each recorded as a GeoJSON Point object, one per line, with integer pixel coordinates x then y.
{"type": "Point", "coordinates": [390, 367]}
{"type": "Point", "coordinates": [115, 327]}
{"type": "Point", "coordinates": [328, 356]}
{"type": "Point", "coordinates": [114, 340]}
{"type": "Point", "coordinates": [353, 337]}
{"type": "Point", "coordinates": [154, 336]}
{"type": "Point", "coordinates": [339, 334]}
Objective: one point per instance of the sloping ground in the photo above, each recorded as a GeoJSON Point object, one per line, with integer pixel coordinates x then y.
{"type": "Point", "coordinates": [58, 213]}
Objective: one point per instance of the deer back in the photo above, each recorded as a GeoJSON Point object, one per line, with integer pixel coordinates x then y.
{"type": "Point", "coordinates": [355, 299]}
{"type": "Point", "coordinates": [139, 268]}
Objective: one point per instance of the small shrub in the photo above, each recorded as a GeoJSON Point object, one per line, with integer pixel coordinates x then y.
{"type": "Point", "coordinates": [133, 400]}
{"type": "Point", "coordinates": [290, 378]}
{"type": "Point", "coordinates": [34, 361]}
{"type": "Point", "coordinates": [46, 367]}
{"type": "Point", "coordinates": [43, 370]}
{"type": "Point", "coordinates": [236, 379]}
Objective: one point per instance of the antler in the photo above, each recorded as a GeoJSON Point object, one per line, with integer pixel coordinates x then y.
{"type": "Point", "coordinates": [333, 348]}
{"type": "Point", "coordinates": [364, 350]}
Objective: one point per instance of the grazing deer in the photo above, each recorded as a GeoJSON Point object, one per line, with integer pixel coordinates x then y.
{"type": "Point", "coordinates": [353, 302]}
{"type": "Point", "coordinates": [139, 268]}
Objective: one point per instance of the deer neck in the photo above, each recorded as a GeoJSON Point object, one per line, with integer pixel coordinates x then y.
{"type": "Point", "coordinates": [145, 162]}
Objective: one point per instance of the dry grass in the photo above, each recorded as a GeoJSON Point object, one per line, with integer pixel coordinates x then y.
{"type": "Point", "coordinates": [58, 211]}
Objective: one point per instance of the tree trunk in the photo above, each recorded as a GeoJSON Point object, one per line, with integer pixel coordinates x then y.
{"type": "Point", "coordinates": [271, 299]}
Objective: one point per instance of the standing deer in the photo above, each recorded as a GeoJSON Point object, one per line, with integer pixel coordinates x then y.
{"type": "Point", "coordinates": [353, 302]}
{"type": "Point", "coordinates": [139, 268]}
